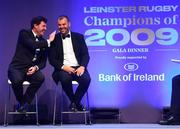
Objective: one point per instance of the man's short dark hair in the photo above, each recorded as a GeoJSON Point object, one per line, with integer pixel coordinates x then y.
{"type": "Point", "coordinates": [63, 16]}
{"type": "Point", "coordinates": [37, 20]}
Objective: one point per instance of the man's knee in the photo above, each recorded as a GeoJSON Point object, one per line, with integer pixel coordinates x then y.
{"type": "Point", "coordinates": [40, 78]}
{"type": "Point", "coordinates": [176, 79]}
{"type": "Point", "coordinates": [88, 79]}
{"type": "Point", "coordinates": [16, 81]}
{"type": "Point", "coordinates": [15, 78]}
{"type": "Point", "coordinates": [85, 79]}
{"type": "Point", "coordinates": [66, 79]}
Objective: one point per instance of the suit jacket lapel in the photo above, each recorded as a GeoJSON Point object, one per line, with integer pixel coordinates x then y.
{"type": "Point", "coordinates": [31, 34]}
{"type": "Point", "coordinates": [74, 43]}
{"type": "Point", "coordinates": [59, 45]}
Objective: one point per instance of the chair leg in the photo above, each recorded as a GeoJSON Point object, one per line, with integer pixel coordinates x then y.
{"type": "Point", "coordinates": [5, 114]}
{"type": "Point", "coordinates": [7, 106]}
{"type": "Point", "coordinates": [61, 93]}
{"type": "Point", "coordinates": [85, 118]}
{"type": "Point", "coordinates": [119, 116]}
{"type": "Point", "coordinates": [54, 113]}
{"type": "Point", "coordinates": [5, 109]}
{"type": "Point", "coordinates": [88, 108]}
{"type": "Point", "coordinates": [37, 112]}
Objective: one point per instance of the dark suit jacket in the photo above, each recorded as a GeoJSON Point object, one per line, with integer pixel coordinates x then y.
{"type": "Point", "coordinates": [25, 51]}
{"type": "Point", "coordinates": [56, 56]}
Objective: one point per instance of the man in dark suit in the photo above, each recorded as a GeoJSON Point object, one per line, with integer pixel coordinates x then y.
{"type": "Point", "coordinates": [69, 56]}
{"type": "Point", "coordinates": [30, 57]}
{"type": "Point", "coordinates": [174, 117]}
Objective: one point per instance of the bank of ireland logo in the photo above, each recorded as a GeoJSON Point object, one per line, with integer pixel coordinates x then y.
{"type": "Point", "coordinates": [131, 67]}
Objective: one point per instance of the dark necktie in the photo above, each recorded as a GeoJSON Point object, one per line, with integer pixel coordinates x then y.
{"type": "Point", "coordinates": [36, 51]}
{"type": "Point", "coordinates": [65, 36]}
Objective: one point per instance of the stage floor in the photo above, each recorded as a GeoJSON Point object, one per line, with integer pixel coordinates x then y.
{"type": "Point", "coordinates": [95, 126]}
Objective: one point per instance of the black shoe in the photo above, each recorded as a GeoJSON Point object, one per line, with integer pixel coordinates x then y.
{"type": "Point", "coordinates": [169, 121]}
{"type": "Point", "coordinates": [80, 107]}
{"type": "Point", "coordinates": [23, 108]}
{"type": "Point", "coordinates": [73, 107]}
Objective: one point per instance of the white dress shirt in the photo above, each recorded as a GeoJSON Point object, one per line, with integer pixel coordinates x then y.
{"type": "Point", "coordinates": [69, 55]}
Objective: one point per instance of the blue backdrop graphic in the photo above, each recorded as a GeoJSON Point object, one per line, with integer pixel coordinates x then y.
{"type": "Point", "coordinates": [131, 44]}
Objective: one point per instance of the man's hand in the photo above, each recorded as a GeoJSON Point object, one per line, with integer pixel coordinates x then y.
{"type": "Point", "coordinates": [52, 36]}
{"type": "Point", "coordinates": [31, 70]}
{"type": "Point", "coordinates": [69, 69]}
{"type": "Point", "coordinates": [79, 71]}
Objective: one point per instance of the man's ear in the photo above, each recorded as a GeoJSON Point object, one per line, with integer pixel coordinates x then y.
{"type": "Point", "coordinates": [69, 24]}
{"type": "Point", "coordinates": [35, 26]}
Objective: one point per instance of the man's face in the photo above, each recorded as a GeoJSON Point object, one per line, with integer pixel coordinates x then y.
{"type": "Point", "coordinates": [63, 26]}
{"type": "Point", "coordinates": [41, 28]}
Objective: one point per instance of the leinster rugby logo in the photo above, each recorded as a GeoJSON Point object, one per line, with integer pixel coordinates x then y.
{"type": "Point", "coordinates": [131, 67]}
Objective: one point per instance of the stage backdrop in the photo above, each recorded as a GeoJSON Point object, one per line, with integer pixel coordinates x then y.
{"type": "Point", "coordinates": [131, 45]}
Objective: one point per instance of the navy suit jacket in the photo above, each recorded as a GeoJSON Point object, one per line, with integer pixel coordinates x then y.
{"type": "Point", "coordinates": [56, 54]}
{"type": "Point", "coordinates": [25, 51]}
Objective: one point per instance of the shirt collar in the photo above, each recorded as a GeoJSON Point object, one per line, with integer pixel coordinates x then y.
{"type": "Point", "coordinates": [34, 33]}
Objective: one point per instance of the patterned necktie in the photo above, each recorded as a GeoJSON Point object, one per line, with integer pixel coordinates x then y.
{"type": "Point", "coordinates": [36, 51]}
{"type": "Point", "coordinates": [37, 38]}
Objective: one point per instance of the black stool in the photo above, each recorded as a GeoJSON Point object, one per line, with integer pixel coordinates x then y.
{"type": "Point", "coordinates": [7, 105]}
{"type": "Point", "coordinates": [86, 112]}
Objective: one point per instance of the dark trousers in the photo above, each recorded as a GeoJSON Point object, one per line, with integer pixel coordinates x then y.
{"type": "Point", "coordinates": [17, 76]}
{"type": "Point", "coordinates": [66, 82]}
{"type": "Point", "coordinates": [175, 98]}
